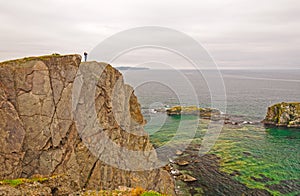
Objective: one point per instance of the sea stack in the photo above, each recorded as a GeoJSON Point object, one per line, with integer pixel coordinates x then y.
{"type": "Point", "coordinates": [283, 115]}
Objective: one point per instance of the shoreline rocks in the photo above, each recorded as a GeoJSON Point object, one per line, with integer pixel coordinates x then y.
{"type": "Point", "coordinates": [205, 113]}
{"type": "Point", "coordinates": [209, 114]}
{"type": "Point", "coordinates": [283, 115]}
{"type": "Point", "coordinates": [203, 176]}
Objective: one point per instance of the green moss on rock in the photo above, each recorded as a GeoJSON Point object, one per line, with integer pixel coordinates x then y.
{"type": "Point", "coordinates": [19, 181]}
{"type": "Point", "coordinates": [206, 113]}
{"type": "Point", "coordinates": [283, 114]}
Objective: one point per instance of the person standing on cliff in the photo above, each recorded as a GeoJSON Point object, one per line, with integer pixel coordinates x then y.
{"type": "Point", "coordinates": [85, 56]}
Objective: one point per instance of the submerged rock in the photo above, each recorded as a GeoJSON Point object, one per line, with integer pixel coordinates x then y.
{"type": "Point", "coordinates": [247, 154]}
{"type": "Point", "coordinates": [235, 173]}
{"type": "Point", "coordinates": [262, 178]}
{"type": "Point", "coordinates": [186, 178]}
{"type": "Point", "coordinates": [286, 186]}
{"type": "Point", "coordinates": [283, 115]}
{"type": "Point", "coordinates": [178, 152]}
{"type": "Point", "coordinates": [206, 174]}
{"type": "Point", "coordinates": [39, 136]}
{"type": "Point", "coordinates": [182, 162]}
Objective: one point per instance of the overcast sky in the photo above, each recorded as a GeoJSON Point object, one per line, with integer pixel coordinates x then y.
{"type": "Point", "coordinates": [237, 33]}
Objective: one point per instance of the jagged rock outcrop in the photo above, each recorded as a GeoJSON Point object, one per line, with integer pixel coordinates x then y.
{"type": "Point", "coordinates": [38, 133]}
{"type": "Point", "coordinates": [283, 114]}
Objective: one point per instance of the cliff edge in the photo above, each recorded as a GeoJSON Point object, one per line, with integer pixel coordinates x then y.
{"type": "Point", "coordinates": [39, 135]}
{"type": "Point", "coordinates": [283, 115]}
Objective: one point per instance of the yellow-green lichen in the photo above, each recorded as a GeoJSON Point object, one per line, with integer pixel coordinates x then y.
{"type": "Point", "coordinates": [19, 181]}
{"type": "Point", "coordinates": [25, 59]}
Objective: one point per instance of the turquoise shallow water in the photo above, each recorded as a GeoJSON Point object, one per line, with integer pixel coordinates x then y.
{"type": "Point", "coordinates": [262, 157]}
{"type": "Point", "coordinates": [255, 152]}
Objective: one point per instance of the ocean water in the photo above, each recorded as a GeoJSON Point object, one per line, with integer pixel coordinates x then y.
{"type": "Point", "coordinates": [248, 92]}
{"type": "Point", "coordinates": [263, 157]}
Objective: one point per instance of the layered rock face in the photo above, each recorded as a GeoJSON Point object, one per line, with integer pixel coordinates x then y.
{"type": "Point", "coordinates": [39, 134]}
{"type": "Point", "coordinates": [283, 114]}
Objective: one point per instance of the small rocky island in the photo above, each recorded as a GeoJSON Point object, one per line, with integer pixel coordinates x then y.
{"type": "Point", "coordinates": [205, 113]}
{"type": "Point", "coordinates": [283, 115]}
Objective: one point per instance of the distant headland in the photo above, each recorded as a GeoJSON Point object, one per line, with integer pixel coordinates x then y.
{"type": "Point", "coordinates": [132, 68]}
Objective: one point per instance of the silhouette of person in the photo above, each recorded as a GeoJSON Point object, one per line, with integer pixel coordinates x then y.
{"type": "Point", "coordinates": [85, 56]}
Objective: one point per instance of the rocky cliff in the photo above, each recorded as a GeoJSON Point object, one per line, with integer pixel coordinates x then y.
{"type": "Point", "coordinates": [39, 135]}
{"type": "Point", "coordinates": [283, 114]}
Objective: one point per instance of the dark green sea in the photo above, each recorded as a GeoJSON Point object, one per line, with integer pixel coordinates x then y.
{"type": "Point", "coordinates": [264, 158]}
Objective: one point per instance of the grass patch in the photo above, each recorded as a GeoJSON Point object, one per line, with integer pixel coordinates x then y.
{"type": "Point", "coordinates": [130, 192]}
{"type": "Point", "coordinates": [19, 181]}
{"type": "Point", "coordinates": [151, 193]}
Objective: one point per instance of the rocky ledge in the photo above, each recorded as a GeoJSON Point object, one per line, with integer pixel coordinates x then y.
{"type": "Point", "coordinates": [283, 115]}
{"type": "Point", "coordinates": [39, 136]}
{"type": "Point", "coordinates": [205, 113]}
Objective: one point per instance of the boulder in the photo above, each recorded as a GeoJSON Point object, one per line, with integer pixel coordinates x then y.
{"type": "Point", "coordinates": [186, 178]}
{"type": "Point", "coordinates": [182, 162]}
